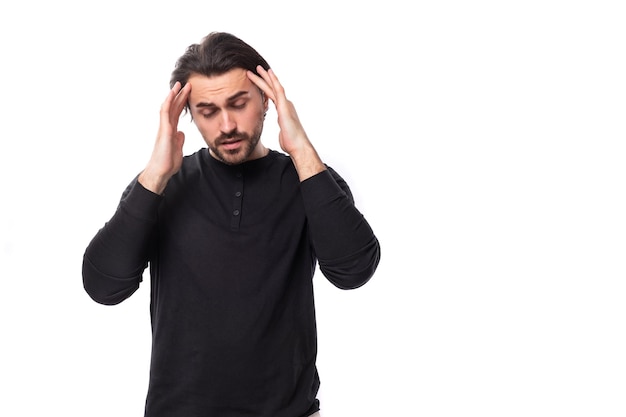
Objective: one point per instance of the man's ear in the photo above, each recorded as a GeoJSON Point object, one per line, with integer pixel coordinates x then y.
{"type": "Point", "coordinates": [266, 101]}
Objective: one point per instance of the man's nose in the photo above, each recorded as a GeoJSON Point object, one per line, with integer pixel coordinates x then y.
{"type": "Point", "coordinates": [227, 123]}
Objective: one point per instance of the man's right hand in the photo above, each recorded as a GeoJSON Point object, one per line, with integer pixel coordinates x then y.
{"type": "Point", "coordinates": [167, 155]}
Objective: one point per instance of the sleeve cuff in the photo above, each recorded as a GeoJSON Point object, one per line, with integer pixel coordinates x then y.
{"type": "Point", "coordinates": [141, 202]}
{"type": "Point", "coordinates": [319, 189]}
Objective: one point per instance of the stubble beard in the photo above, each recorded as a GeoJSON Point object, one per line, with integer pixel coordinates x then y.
{"type": "Point", "coordinates": [241, 154]}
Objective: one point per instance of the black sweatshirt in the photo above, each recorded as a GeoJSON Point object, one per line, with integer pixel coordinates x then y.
{"type": "Point", "coordinates": [232, 252]}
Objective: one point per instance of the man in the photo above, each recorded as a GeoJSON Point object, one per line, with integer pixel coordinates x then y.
{"type": "Point", "coordinates": [232, 235]}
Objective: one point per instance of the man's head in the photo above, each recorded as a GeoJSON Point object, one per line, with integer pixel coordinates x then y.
{"type": "Point", "coordinates": [218, 53]}
{"type": "Point", "coordinates": [226, 106]}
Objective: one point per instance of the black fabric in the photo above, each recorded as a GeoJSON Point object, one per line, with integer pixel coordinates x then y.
{"type": "Point", "coordinates": [232, 251]}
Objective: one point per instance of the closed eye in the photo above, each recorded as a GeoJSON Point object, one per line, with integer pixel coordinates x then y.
{"type": "Point", "coordinates": [239, 104]}
{"type": "Point", "coordinates": [208, 114]}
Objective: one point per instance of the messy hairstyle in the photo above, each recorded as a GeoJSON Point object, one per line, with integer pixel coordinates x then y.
{"type": "Point", "coordinates": [218, 53]}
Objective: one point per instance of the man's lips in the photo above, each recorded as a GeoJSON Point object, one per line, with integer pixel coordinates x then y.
{"type": "Point", "coordinates": [231, 144]}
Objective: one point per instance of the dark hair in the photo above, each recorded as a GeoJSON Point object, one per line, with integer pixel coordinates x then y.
{"type": "Point", "coordinates": [218, 53]}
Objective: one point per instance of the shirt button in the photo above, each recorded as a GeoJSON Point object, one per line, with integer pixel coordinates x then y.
{"type": "Point", "coordinates": [235, 212]}
{"type": "Point", "coordinates": [238, 175]}
{"type": "Point", "coordinates": [238, 194]}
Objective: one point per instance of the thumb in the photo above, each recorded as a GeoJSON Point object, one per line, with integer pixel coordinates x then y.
{"type": "Point", "coordinates": [179, 140]}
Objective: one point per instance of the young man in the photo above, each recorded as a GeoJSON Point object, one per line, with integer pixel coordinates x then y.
{"type": "Point", "coordinates": [232, 235]}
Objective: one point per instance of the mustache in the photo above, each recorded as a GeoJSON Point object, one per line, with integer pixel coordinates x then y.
{"type": "Point", "coordinates": [229, 136]}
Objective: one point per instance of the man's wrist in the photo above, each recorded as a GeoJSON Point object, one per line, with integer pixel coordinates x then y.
{"type": "Point", "coordinates": [152, 182]}
{"type": "Point", "coordinates": [307, 163]}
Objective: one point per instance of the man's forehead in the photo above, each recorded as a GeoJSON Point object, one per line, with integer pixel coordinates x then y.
{"type": "Point", "coordinates": [219, 86]}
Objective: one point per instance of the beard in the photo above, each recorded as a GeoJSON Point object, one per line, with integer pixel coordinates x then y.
{"type": "Point", "coordinates": [248, 143]}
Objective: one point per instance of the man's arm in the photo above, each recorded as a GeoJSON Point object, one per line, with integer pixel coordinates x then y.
{"type": "Point", "coordinates": [118, 254]}
{"type": "Point", "coordinates": [348, 252]}
{"type": "Point", "coordinates": [345, 245]}
{"type": "Point", "coordinates": [292, 137]}
{"type": "Point", "coordinates": [167, 155]}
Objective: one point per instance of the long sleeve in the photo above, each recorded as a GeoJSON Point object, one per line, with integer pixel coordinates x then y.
{"type": "Point", "coordinates": [116, 257]}
{"type": "Point", "coordinates": [348, 252]}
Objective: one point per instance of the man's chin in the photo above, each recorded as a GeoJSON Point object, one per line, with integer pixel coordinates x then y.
{"type": "Point", "coordinates": [230, 157]}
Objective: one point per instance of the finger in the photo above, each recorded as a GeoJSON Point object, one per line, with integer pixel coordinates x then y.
{"type": "Point", "coordinates": [170, 96]}
{"type": "Point", "coordinates": [261, 83]}
{"type": "Point", "coordinates": [276, 85]}
{"type": "Point", "coordinates": [180, 101]}
{"type": "Point", "coordinates": [278, 91]}
{"type": "Point", "coordinates": [165, 107]}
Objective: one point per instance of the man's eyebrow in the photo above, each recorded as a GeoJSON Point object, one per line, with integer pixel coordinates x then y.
{"type": "Point", "coordinates": [231, 98]}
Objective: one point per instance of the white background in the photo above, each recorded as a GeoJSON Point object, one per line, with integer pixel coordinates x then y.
{"type": "Point", "coordinates": [484, 141]}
